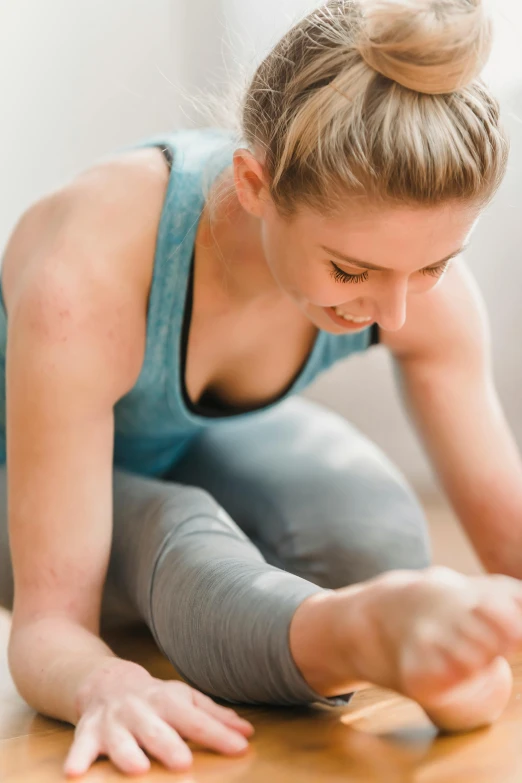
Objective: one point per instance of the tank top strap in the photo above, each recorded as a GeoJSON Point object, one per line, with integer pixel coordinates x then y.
{"type": "Point", "coordinates": [198, 156]}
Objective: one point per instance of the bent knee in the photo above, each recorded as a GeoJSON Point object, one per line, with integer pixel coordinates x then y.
{"type": "Point", "coordinates": [350, 547]}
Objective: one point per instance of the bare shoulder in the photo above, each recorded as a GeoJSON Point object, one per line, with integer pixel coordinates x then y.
{"type": "Point", "coordinates": [87, 249]}
{"type": "Point", "coordinates": [104, 221]}
{"type": "Point", "coordinates": [447, 321]}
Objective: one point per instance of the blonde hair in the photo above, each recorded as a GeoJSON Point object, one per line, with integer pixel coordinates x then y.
{"type": "Point", "coordinates": [377, 98]}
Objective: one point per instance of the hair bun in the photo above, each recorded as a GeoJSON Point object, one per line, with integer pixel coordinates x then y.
{"type": "Point", "coordinates": [431, 46]}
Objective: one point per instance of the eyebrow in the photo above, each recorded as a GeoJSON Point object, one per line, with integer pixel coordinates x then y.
{"type": "Point", "coordinates": [366, 265]}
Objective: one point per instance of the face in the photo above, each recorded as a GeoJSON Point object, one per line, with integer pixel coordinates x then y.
{"type": "Point", "coordinates": [389, 254]}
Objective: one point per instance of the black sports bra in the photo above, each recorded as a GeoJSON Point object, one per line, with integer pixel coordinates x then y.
{"type": "Point", "coordinates": [209, 405]}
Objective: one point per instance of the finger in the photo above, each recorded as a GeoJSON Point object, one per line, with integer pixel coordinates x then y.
{"type": "Point", "coordinates": [124, 751]}
{"type": "Point", "coordinates": [83, 752]}
{"type": "Point", "coordinates": [197, 725]}
{"type": "Point", "coordinates": [226, 715]}
{"type": "Point", "coordinates": [161, 740]}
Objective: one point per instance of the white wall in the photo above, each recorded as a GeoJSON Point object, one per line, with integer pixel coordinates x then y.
{"type": "Point", "coordinates": [80, 78]}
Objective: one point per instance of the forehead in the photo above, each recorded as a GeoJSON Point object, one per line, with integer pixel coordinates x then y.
{"type": "Point", "coordinates": [360, 215]}
{"type": "Point", "coordinates": [397, 223]}
{"type": "Point", "coordinates": [397, 238]}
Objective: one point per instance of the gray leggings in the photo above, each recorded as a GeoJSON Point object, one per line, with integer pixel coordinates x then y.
{"type": "Point", "coordinates": [259, 514]}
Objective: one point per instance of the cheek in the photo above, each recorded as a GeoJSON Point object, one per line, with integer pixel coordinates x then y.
{"type": "Point", "coordinates": [318, 287]}
{"type": "Point", "coordinates": [300, 278]}
{"type": "Point", "coordinates": [325, 291]}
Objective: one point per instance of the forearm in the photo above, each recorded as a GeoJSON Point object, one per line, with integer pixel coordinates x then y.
{"type": "Point", "coordinates": [475, 455]}
{"type": "Point", "coordinates": [52, 662]}
{"type": "Point", "coordinates": [492, 519]}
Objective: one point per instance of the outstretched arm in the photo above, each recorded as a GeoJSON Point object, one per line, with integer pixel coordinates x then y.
{"type": "Point", "coordinates": [443, 359]}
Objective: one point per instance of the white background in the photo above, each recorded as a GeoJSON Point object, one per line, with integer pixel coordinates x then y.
{"type": "Point", "coordinates": [81, 78]}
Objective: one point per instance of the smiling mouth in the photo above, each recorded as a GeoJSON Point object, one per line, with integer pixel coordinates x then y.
{"type": "Point", "coordinates": [356, 319]}
{"type": "Point", "coordinates": [347, 321]}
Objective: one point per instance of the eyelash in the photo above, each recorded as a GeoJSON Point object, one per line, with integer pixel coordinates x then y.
{"type": "Point", "coordinates": [344, 277]}
{"type": "Point", "coordinates": [436, 271]}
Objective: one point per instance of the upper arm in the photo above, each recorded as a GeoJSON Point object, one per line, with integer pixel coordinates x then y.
{"type": "Point", "coordinates": [59, 392]}
{"type": "Point", "coordinates": [76, 337]}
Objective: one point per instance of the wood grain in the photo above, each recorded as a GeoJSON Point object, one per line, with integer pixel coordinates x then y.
{"type": "Point", "coordinates": [380, 736]}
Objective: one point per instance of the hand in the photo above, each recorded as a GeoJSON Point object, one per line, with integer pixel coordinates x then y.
{"type": "Point", "coordinates": [134, 709]}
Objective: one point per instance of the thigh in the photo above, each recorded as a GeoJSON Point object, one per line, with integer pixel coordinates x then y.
{"type": "Point", "coordinates": [218, 612]}
{"type": "Point", "coordinates": [313, 493]}
{"type": "Point", "coordinates": [146, 513]}
{"type": "Point", "coordinates": [149, 516]}
{"type": "Point", "coordinates": [216, 609]}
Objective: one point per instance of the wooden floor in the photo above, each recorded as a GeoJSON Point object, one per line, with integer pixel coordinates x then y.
{"type": "Point", "coordinates": [380, 736]}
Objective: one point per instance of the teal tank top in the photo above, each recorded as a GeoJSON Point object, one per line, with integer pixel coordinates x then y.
{"type": "Point", "coordinates": [156, 421]}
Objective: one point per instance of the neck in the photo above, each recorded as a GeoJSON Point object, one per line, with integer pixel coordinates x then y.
{"type": "Point", "coordinates": [231, 252]}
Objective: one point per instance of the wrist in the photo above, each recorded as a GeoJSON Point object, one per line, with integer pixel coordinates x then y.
{"type": "Point", "coordinates": [103, 677]}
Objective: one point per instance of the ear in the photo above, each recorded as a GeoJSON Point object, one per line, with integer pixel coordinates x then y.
{"type": "Point", "coordinates": [251, 182]}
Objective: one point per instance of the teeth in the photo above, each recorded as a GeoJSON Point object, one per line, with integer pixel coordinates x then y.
{"type": "Point", "coordinates": [356, 319]}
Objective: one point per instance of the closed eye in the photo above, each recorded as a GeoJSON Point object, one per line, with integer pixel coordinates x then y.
{"type": "Point", "coordinates": [345, 277]}
{"type": "Point", "coordinates": [435, 271]}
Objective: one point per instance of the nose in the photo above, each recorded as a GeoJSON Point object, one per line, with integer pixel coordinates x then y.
{"type": "Point", "coordinates": [391, 305]}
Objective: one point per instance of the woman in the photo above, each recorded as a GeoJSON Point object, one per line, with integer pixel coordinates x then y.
{"type": "Point", "coordinates": [159, 468]}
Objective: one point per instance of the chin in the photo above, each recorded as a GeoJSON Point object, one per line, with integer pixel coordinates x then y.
{"type": "Point", "coordinates": [328, 326]}
{"type": "Point", "coordinates": [317, 316]}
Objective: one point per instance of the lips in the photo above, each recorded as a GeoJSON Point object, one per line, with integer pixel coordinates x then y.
{"type": "Point", "coordinates": [346, 323]}
{"type": "Point", "coordinates": [357, 319]}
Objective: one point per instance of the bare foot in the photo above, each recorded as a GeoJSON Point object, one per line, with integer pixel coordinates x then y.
{"type": "Point", "coordinates": [435, 635]}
